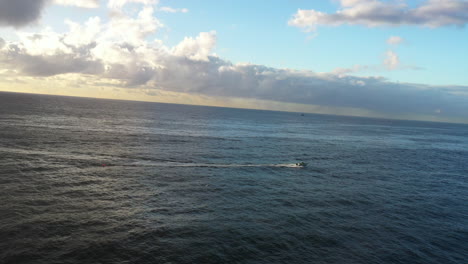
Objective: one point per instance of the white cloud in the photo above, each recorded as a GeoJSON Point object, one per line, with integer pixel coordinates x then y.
{"type": "Point", "coordinates": [168, 9]}
{"type": "Point", "coordinates": [392, 60]}
{"type": "Point", "coordinates": [79, 35]}
{"type": "Point", "coordinates": [341, 72]}
{"type": "Point", "coordinates": [198, 48]}
{"type": "Point", "coordinates": [395, 40]}
{"type": "Point", "coordinates": [119, 4]}
{"type": "Point", "coordinates": [373, 13]}
{"type": "Point", "coordinates": [79, 3]}
{"type": "Point", "coordinates": [130, 30]}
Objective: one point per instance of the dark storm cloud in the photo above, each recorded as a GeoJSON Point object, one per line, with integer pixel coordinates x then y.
{"type": "Point", "coordinates": [18, 13]}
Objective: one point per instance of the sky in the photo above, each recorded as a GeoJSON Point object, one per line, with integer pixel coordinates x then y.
{"type": "Point", "coordinates": [393, 59]}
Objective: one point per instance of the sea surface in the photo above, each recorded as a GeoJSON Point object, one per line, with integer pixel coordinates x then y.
{"type": "Point", "coordinates": [105, 181]}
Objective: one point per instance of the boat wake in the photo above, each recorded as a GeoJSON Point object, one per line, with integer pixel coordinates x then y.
{"type": "Point", "coordinates": [211, 165]}
{"type": "Point", "coordinates": [102, 160]}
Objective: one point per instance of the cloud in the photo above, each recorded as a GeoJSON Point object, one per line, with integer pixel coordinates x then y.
{"type": "Point", "coordinates": [134, 31]}
{"type": "Point", "coordinates": [18, 13]}
{"type": "Point", "coordinates": [218, 77]}
{"type": "Point", "coordinates": [50, 65]}
{"type": "Point", "coordinates": [392, 60]}
{"type": "Point", "coordinates": [81, 3]}
{"type": "Point", "coordinates": [173, 10]}
{"type": "Point", "coordinates": [375, 13]}
{"type": "Point", "coordinates": [168, 9]}
{"type": "Point", "coordinates": [123, 53]}
{"type": "Point", "coordinates": [196, 48]}
{"type": "Point", "coordinates": [395, 40]}
{"type": "Point", "coordinates": [119, 4]}
{"type": "Point", "coordinates": [90, 48]}
{"type": "Point", "coordinates": [341, 72]}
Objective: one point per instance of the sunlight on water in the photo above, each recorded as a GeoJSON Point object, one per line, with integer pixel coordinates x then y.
{"type": "Point", "coordinates": [95, 181]}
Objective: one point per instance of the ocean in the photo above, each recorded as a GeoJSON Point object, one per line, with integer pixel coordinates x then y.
{"type": "Point", "coordinates": [105, 181]}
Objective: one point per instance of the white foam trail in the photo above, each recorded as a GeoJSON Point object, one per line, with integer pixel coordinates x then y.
{"type": "Point", "coordinates": [98, 158]}
{"type": "Point", "coordinates": [71, 156]}
{"type": "Point", "coordinates": [212, 165]}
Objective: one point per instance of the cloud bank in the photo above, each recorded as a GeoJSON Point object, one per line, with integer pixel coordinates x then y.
{"type": "Point", "coordinates": [123, 53]}
{"type": "Point", "coordinates": [374, 13]}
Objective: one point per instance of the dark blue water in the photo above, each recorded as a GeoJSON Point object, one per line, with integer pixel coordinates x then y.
{"type": "Point", "coordinates": [102, 181]}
